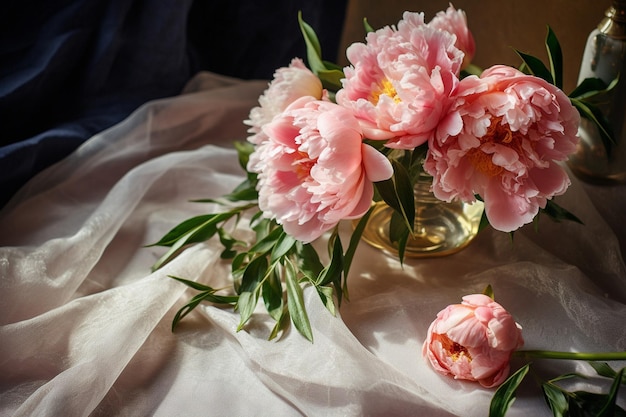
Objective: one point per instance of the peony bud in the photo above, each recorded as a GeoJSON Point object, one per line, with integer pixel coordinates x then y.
{"type": "Point", "coordinates": [473, 340]}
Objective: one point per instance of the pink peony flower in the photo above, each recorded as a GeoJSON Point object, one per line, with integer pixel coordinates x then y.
{"type": "Point", "coordinates": [502, 140]}
{"type": "Point", "coordinates": [314, 170]}
{"type": "Point", "coordinates": [473, 340]}
{"type": "Point", "coordinates": [289, 84]}
{"type": "Point", "coordinates": [400, 81]}
{"type": "Point", "coordinates": [455, 22]}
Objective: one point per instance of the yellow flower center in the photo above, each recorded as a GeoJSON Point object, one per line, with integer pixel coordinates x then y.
{"type": "Point", "coordinates": [385, 88]}
{"type": "Point", "coordinates": [496, 133]}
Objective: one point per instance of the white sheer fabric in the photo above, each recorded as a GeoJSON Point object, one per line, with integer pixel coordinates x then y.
{"type": "Point", "coordinates": [86, 325]}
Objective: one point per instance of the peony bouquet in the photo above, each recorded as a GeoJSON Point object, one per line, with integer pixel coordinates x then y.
{"type": "Point", "coordinates": [326, 142]}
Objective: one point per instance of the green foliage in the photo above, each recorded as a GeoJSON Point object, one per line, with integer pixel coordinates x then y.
{"type": "Point", "coordinates": [565, 403]}
{"type": "Point", "coordinates": [505, 394]}
{"type": "Point", "coordinates": [329, 73]}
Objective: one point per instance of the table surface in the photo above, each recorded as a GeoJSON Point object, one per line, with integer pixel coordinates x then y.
{"type": "Point", "coordinates": [86, 325]}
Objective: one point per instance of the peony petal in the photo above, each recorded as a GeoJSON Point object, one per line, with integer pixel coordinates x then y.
{"type": "Point", "coordinates": [377, 166]}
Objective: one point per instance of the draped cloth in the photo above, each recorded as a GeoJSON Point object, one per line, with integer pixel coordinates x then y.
{"type": "Point", "coordinates": [86, 326]}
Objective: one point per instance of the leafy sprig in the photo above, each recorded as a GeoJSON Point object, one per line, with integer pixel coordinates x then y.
{"type": "Point", "coordinates": [564, 403]}
{"type": "Point", "coordinates": [272, 267]}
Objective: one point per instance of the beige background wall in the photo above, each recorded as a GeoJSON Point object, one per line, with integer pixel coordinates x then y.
{"type": "Point", "coordinates": [497, 25]}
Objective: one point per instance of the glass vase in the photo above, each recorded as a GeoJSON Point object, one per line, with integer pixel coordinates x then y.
{"type": "Point", "coordinates": [439, 229]}
{"type": "Point", "coordinates": [595, 160]}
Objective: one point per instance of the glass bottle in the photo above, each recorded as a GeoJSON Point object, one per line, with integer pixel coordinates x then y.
{"type": "Point", "coordinates": [604, 58]}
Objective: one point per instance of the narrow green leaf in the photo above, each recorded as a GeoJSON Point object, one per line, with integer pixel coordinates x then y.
{"type": "Point", "coordinates": [197, 299]}
{"type": "Point", "coordinates": [244, 150]}
{"type": "Point", "coordinates": [192, 284]}
{"type": "Point", "coordinates": [183, 311]}
{"type": "Point", "coordinates": [283, 245]}
{"type": "Point", "coordinates": [536, 67]}
{"type": "Point", "coordinates": [313, 48]}
{"type": "Point", "coordinates": [505, 394]}
{"type": "Point", "coordinates": [558, 213]}
{"type": "Point", "coordinates": [245, 305]}
{"type": "Point", "coordinates": [397, 192]}
{"type": "Point", "coordinates": [326, 295]}
{"type": "Point", "coordinates": [355, 239]}
{"type": "Point", "coordinates": [610, 406]}
{"type": "Point", "coordinates": [555, 56]}
{"type": "Point", "coordinates": [254, 273]}
{"type": "Point", "coordinates": [281, 324]}
{"type": "Point", "coordinates": [333, 270]}
{"type": "Point", "coordinates": [309, 261]}
{"type": "Point", "coordinates": [191, 226]}
{"type": "Point", "coordinates": [593, 113]}
{"type": "Point", "coordinates": [272, 293]}
{"type": "Point", "coordinates": [588, 87]}
{"type": "Point", "coordinates": [366, 25]}
{"type": "Point", "coordinates": [488, 291]}
{"type": "Point", "coordinates": [556, 399]}
{"type": "Point", "coordinates": [295, 302]}
{"type": "Point", "coordinates": [331, 79]}
{"type": "Point", "coordinates": [267, 243]}
{"type": "Point", "coordinates": [603, 369]}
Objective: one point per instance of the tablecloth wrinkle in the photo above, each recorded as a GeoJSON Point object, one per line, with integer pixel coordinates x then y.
{"type": "Point", "coordinates": [86, 325]}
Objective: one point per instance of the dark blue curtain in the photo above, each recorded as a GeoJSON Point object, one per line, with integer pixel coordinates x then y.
{"type": "Point", "coordinates": [71, 68]}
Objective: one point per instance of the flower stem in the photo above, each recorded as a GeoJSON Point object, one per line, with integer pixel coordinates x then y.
{"type": "Point", "coordinates": [584, 356]}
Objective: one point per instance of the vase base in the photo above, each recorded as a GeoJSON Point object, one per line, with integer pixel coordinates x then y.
{"type": "Point", "coordinates": [440, 229]}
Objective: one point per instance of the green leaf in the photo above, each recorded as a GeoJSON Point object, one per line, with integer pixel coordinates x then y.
{"type": "Point", "coordinates": [505, 394]}
{"type": "Point", "coordinates": [245, 305]}
{"type": "Point", "coordinates": [556, 399]}
{"type": "Point", "coordinates": [589, 404]}
{"type": "Point", "coordinates": [254, 273]}
{"type": "Point", "coordinates": [192, 227]}
{"type": "Point", "coordinates": [308, 261]}
{"type": "Point", "coordinates": [326, 295]}
{"type": "Point", "coordinates": [588, 87]}
{"type": "Point", "coordinates": [333, 271]}
{"type": "Point", "coordinates": [208, 295]}
{"type": "Point", "coordinates": [536, 67]}
{"type": "Point", "coordinates": [281, 324]}
{"type": "Point", "coordinates": [295, 302]}
{"type": "Point", "coordinates": [244, 150]}
{"type": "Point", "coordinates": [272, 293]}
{"type": "Point", "coordinates": [268, 242]}
{"type": "Point", "coordinates": [313, 48]}
{"type": "Point", "coordinates": [610, 406]}
{"type": "Point", "coordinates": [331, 79]}
{"type": "Point", "coordinates": [603, 369]}
{"type": "Point", "coordinates": [355, 239]}
{"type": "Point", "coordinates": [488, 291]}
{"type": "Point", "coordinates": [283, 245]}
{"type": "Point", "coordinates": [555, 56]}
{"type": "Point", "coordinates": [397, 192]}
{"type": "Point", "coordinates": [593, 113]}
{"type": "Point", "coordinates": [366, 25]}
{"type": "Point", "coordinates": [558, 213]}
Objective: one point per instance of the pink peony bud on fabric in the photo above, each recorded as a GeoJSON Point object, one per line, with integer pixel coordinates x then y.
{"type": "Point", "coordinates": [473, 341]}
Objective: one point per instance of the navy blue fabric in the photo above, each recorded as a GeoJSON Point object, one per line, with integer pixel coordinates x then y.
{"type": "Point", "coordinates": [72, 68]}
